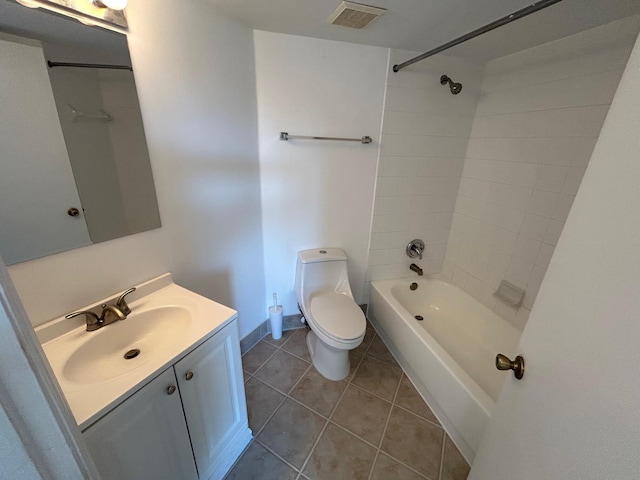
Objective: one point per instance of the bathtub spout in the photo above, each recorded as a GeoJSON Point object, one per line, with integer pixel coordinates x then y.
{"type": "Point", "coordinates": [416, 268]}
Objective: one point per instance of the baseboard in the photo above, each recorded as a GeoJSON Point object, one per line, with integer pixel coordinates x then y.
{"type": "Point", "coordinates": [230, 455]}
{"type": "Point", "coordinates": [289, 322]}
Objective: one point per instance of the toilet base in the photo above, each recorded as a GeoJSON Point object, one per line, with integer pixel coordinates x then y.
{"type": "Point", "coordinates": [332, 363]}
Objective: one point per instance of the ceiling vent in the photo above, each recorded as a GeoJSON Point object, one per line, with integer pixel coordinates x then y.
{"type": "Point", "coordinates": [355, 15]}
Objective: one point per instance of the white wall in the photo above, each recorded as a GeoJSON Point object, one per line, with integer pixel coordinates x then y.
{"type": "Point", "coordinates": [195, 77]}
{"type": "Point", "coordinates": [424, 138]}
{"type": "Point", "coordinates": [316, 193]}
{"type": "Point", "coordinates": [538, 118]}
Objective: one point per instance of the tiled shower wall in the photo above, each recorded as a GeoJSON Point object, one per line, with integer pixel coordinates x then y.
{"type": "Point", "coordinates": [538, 118]}
{"type": "Point", "coordinates": [425, 132]}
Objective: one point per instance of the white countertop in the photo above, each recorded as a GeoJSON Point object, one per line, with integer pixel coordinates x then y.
{"type": "Point", "coordinates": [61, 337]}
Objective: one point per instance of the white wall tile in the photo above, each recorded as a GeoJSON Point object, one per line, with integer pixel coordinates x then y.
{"type": "Point", "coordinates": [542, 203]}
{"type": "Point", "coordinates": [507, 160]}
{"type": "Point", "coordinates": [563, 206]}
{"type": "Point", "coordinates": [573, 180]}
{"type": "Point", "coordinates": [553, 232]}
{"type": "Point", "coordinates": [534, 226]}
{"type": "Point", "coordinates": [551, 178]}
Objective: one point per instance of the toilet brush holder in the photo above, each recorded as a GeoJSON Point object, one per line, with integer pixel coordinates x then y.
{"type": "Point", "coordinates": [275, 318]}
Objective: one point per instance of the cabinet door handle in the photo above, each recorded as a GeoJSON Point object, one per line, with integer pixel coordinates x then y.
{"type": "Point", "coordinates": [171, 389]}
{"type": "Point", "coordinates": [188, 375]}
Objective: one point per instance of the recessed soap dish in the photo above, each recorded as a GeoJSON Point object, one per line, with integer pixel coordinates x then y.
{"type": "Point", "coordinates": [510, 294]}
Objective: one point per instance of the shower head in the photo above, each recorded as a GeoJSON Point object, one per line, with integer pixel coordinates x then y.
{"type": "Point", "coordinates": [455, 88]}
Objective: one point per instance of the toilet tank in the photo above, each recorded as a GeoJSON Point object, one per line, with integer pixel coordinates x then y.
{"type": "Point", "coordinates": [321, 269]}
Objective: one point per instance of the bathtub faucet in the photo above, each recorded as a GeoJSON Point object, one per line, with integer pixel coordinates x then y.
{"type": "Point", "coordinates": [416, 268]}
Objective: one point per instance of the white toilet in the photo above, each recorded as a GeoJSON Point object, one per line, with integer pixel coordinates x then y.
{"type": "Point", "coordinates": [337, 322]}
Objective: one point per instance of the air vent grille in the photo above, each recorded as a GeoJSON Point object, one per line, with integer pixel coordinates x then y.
{"type": "Point", "coordinates": [355, 15]}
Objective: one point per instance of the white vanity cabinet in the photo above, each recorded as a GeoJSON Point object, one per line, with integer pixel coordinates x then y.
{"type": "Point", "coordinates": [146, 436]}
{"type": "Point", "coordinates": [212, 391]}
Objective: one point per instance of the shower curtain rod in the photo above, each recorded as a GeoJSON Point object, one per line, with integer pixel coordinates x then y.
{"type": "Point", "coordinates": [476, 33]}
{"type": "Point", "coordinates": [88, 65]}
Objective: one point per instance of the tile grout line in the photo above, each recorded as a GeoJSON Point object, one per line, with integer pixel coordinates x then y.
{"type": "Point", "coordinates": [277, 455]}
{"type": "Point", "coordinates": [329, 419]}
{"type": "Point", "coordinates": [262, 364]}
{"type": "Point", "coordinates": [304, 465]}
{"type": "Point", "coordinates": [384, 429]}
{"type": "Point", "coordinates": [288, 394]}
{"type": "Point", "coordinates": [444, 441]}
{"type": "Point", "coordinates": [420, 417]}
{"type": "Point", "coordinates": [270, 417]}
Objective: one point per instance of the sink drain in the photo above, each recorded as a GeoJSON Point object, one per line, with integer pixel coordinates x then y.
{"type": "Point", "coordinates": [419, 317]}
{"type": "Point", "coordinates": [133, 353]}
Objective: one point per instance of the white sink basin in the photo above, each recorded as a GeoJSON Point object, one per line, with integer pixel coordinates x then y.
{"type": "Point", "coordinates": [102, 356]}
{"type": "Point", "coordinates": [166, 322]}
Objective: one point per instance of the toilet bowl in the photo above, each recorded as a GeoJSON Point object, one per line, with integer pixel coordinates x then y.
{"type": "Point", "coordinates": [337, 323]}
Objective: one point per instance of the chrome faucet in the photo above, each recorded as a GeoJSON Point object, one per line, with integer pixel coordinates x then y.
{"type": "Point", "coordinates": [109, 314]}
{"type": "Point", "coordinates": [416, 268]}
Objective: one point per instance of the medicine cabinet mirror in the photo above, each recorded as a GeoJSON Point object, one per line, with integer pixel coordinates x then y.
{"type": "Point", "coordinates": [74, 164]}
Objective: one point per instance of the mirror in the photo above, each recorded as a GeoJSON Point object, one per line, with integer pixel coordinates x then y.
{"type": "Point", "coordinates": [74, 164]}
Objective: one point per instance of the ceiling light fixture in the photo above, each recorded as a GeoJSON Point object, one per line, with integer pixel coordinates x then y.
{"type": "Point", "coordinates": [112, 4]}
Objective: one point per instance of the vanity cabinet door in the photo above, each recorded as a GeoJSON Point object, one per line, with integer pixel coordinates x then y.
{"type": "Point", "coordinates": [212, 391]}
{"type": "Point", "coordinates": [145, 437]}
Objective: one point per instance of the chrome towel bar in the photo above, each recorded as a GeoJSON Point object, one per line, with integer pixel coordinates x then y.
{"type": "Point", "coordinates": [285, 136]}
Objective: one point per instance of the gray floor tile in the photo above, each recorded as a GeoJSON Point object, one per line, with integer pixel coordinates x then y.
{"type": "Point", "coordinates": [282, 371]}
{"type": "Point", "coordinates": [297, 344]}
{"type": "Point", "coordinates": [414, 441]}
{"type": "Point", "coordinates": [255, 358]}
{"type": "Point", "coordinates": [386, 468]}
{"type": "Point", "coordinates": [454, 465]}
{"type": "Point", "coordinates": [366, 341]}
{"type": "Point", "coordinates": [262, 401]}
{"type": "Point", "coordinates": [292, 432]}
{"type": "Point", "coordinates": [362, 414]}
{"type": "Point", "coordinates": [340, 456]}
{"type": "Point", "coordinates": [377, 377]}
{"type": "Point", "coordinates": [354, 359]}
{"type": "Point", "coordinates": [380, 351]}
{"type": "Point", "coordinates": [257, 463]}
{"type": "Point", "coordinates": [286, 335]}
{"type": "Point", "coordinates": [318, 393]}
{"type": "Point", "coordinates": [409, 398]}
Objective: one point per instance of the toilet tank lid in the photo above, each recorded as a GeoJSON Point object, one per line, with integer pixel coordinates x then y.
{"type": "Point", "coordinates": [321, 255]}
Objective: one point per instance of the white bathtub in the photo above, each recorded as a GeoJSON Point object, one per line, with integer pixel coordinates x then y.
{"type": "Point", "coordinates": [450, 355]}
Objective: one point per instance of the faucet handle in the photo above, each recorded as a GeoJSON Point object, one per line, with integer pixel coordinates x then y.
{"type": "Point", "coordinates": [415, 248]}
{"type": "Point", "coordinates": [122, 303]}
{"type": "Point", "coordinates": [93, 321]}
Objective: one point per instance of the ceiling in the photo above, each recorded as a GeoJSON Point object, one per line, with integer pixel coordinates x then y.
{"type": "Point", "coordinates": [420, 25]}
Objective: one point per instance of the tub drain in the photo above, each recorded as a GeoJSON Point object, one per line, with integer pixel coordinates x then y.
{"type": "Point", "coordinates": [133, 353]}
{"type": "Point", "coordinates": [419, 317]}
{"type": "Point", "coordinates": [413, 286]}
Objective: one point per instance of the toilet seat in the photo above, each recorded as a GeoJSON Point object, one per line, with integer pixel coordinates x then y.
{"type": "Point", "coordinates": [338, 317]}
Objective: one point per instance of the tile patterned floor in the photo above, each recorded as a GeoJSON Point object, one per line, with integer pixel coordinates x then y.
{"type": "Point", "coordinates": [371, 426]}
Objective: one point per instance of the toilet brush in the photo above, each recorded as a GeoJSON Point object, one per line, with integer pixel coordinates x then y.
{"type": "Point", "coordinates": [275, 318]}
